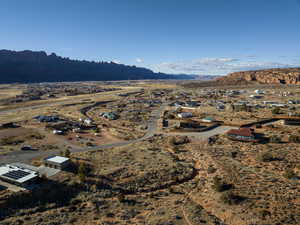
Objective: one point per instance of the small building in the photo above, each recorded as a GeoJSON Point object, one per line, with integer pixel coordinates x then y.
{"type": "Point", "coordinates": [255, 96]}
{"type": "Point", "coordinates": [88, 122]}
{"type": "Point", "coordinates": [294, 102]}
{"type": "Point", "coordinates": [18, 175]}
{"type": "Point", "coordinates": [57, 162]}
{"type": "Point", "coordinates": [185, 115]}
{"type": "Point", "coordinates": [242, 134]}
{"type": "Point", "coordinates": [259, 92]}
{"type": "Point", "coordinates": [26, 148]}
{"type": "Point", "coordinates": [208, 120]}
{"type": "Point", "coordinates": [220, 107]}
{"type": "Point", "coordinates": [192, 104]}
{"type": "Point", "coordinates": [58, 132]}
{"type": "Point", "coordinates": [47, 119]}
{"type": "Point", "coordinates": [109, 115]}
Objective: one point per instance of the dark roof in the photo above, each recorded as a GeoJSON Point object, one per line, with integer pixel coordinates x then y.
{"type": "Point", "coordinates": [247, 132]}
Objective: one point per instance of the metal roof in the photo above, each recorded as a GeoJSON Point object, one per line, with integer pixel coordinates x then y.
{"type": "Point", "coordinates": [247, 132]}
{"type": "Point", "coordinates": [57, 159]}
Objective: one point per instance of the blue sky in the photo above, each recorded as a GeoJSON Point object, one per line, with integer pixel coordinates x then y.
{"type": "Point", "coordinates": [173, 36]}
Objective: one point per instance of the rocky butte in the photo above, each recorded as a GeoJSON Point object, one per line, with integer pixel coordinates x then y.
{"type": "Point", "coordinates": [269, 76]}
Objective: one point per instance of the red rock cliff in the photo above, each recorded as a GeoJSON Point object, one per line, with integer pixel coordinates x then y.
{"type": "Point", "coordinates": [270, 76]}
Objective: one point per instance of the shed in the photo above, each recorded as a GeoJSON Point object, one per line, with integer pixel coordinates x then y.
{"type": "Point", "coordinates": [208, 120]}
{"type": "Point", "coordinates": [185, 115]}
{"type": "Point", "coordinates": [57, 162]}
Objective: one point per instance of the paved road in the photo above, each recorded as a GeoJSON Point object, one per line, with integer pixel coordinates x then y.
{"type": "Point", "coordinates": [26, 157]}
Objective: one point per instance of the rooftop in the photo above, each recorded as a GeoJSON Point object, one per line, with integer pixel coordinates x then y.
{"type": "Point", "coordinates": [57, 159]}
{"type": "Point", "coordinates": [17, 174]}
{"type": "Point", "coordinates": [247, 132]}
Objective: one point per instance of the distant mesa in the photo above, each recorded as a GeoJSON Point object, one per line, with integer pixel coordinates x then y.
{"type": "Point", "coordinates": [268, 76]}
{"type": "Point", "coordinates": [36, 66]}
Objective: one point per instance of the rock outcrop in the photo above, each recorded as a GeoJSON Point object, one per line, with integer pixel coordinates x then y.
{"type": "Point", "coordinates": [269, 76]}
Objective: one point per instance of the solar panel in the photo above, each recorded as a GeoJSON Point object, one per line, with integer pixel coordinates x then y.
{"type": "Point", "coordinates": [16, 174]}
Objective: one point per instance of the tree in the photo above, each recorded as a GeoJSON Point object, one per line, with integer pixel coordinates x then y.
{"type": "Point", "coordinates": [82, 172]}
{"type": "Point", "coordinates": [67, 153]}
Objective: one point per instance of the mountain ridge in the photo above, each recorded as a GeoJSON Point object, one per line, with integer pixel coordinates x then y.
{"type": "Point", "coordinates": [37, 66]}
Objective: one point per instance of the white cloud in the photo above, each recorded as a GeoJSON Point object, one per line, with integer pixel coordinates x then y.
{"type": "Point", "coordinates": [218, 66]}
{"type": "Point", "coordinates": [116, 61]}
{"type": "Point", "coordinates": [139, 60]}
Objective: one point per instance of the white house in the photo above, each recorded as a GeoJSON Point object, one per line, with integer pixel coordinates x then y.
{"type": "Point", "coordinates": [185, 115]}
{"type": "Point", "coordinates": [59, 132]}
{"type": "Point", "coordinates": [259, 92]}
{"type": "Point", "coordinates": [88, 121]}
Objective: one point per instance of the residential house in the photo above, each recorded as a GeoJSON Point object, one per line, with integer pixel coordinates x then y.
{"type": "Point", "coordinates": [110, 115]}
{"type": "Point", "coordinates": [242, 134]}
{"type": "Point", "coordinates": [185, 115]}
{"type": "Point", "coordinates": [208, 120]}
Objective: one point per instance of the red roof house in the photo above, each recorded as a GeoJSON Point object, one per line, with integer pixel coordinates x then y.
{"type": "Point", "coordinates": [242, 134]}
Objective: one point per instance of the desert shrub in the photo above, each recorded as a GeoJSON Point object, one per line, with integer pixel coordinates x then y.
{"type": "Point", "coordinates": [89, 144]}
{"type": "Point", "coordinates": [121, 197]}
{"type": "Point", "coordinates": [211, 169]}
{"type": "Point", "coordinates": [232, 154]}
{"type": "Point", "coordinates": [258, 125]}
{"type": "Point", "coordinates": [171, 116]}
{"type": "Point", "coordinates": [265, 157]}
{"type": "Point", "coordinates": [276, 111]}
{"type": "Point", "coordinates": [219, 185]}
{"type": "Point", "coordinates": [294, 139]}
{"type": "Point", "coordinates": [230, 198]}
{"type": "Point", "coordinates": [67, 153]}
{"type": "Point", "coordinates": [264, 213]}
{"type": "Point", "coordinates": [290, 174]}
{"type": "Point", "coordinates": [178, 140]}
{"type": "Point", "coordinates": [36, 135]}
{"type": "Point", "coordinates": [82, 172]}
{"type": "Point", "coordinates": [274, 139]}
{"type": "Point", "coordinates": [11, 141]}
